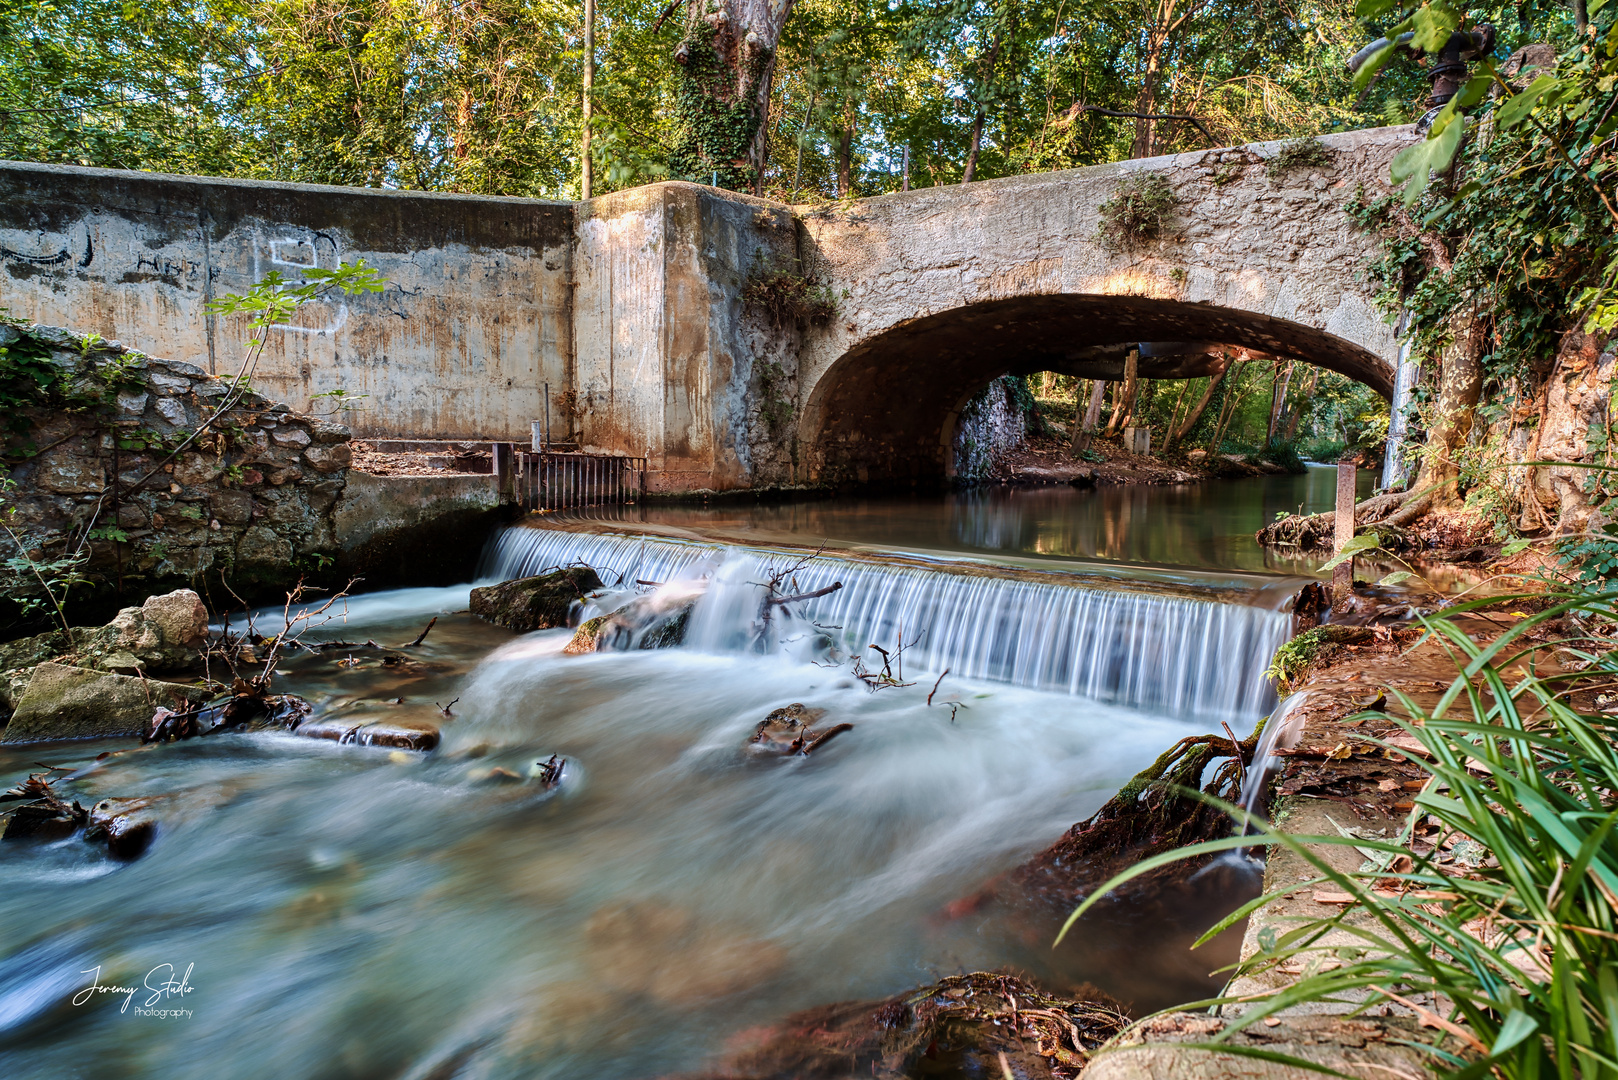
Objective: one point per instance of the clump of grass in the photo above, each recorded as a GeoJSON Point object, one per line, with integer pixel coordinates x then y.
{"type": "Point", "coordinates": [1140, 210]}
{"type": "Point", "coordinates": [1513, 950]}
{"type": "Point", "coordinates": [1297, 153]}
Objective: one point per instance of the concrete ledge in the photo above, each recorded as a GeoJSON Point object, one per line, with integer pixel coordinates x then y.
{"type": "Point", "coordinates": [424, 529]}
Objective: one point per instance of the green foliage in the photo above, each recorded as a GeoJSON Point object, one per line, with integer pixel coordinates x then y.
{"type": "Point", "coordinates": [1285, 454]}
{"type": "Point", "coordinates": [440, 96]}
{"type": "Point", "coordinates": [785, 297]}
{"type": "Point", "coordinates": [1293, 658]}
{"type": "Point", "coordinates": [1503, 922]}
{"type": "Point", "coordinates": [1141, 207]}
{"type": "Point", "coordinates": [716, 120]}
{"type": "Point", "coordinates": [1296, 154]}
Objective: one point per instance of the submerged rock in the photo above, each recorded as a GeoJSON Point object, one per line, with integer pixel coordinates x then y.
{"type": "Point", "coordinates": [586, 638]}
{"type": "Point", "coordinates": [127, 825]}
{"type": "Point", "coordinates": [64, 702]}
{"type": "Point", "coordinates": [397, 734]}
{"type": "Point", "coordinates": [655, 621]}
{"type": "Point", "coordinates": [540, 602]}
{"type": "Point", "coordinates": [982, 1024]}
{"type": "Point", "coordinates": [786, 731]}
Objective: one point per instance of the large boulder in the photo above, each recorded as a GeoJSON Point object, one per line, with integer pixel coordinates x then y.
{"type": "Point", "coordinates": [534, 603]}
{"type": "Point", "coordinates": [166, 633]}
{"type": "Point", "coordinates": [64, 702]}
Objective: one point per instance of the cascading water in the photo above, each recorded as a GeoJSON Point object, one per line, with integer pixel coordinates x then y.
{"type": "Point", "coordinates": [382, 913]}
{"type": "Point", "coordinates": [1177, 654]}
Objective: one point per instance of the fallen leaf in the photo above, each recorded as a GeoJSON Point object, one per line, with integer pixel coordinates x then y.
{"type": "Point", "coordinates": [1332, 896]}
{"type": "Point", "coordinates": [1341, 752]}
{"type": "Point", "coordinates": [1389, 785]}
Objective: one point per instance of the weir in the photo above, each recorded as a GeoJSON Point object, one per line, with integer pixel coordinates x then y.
{"type": "Point", "coordinates": [1148, 648]}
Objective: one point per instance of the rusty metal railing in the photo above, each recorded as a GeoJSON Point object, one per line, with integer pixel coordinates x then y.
{"type": "Point", "coordinates": [561, 480]}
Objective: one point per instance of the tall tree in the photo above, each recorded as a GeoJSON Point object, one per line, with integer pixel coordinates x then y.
{"type": "Point", "coordinates": [727, 62]}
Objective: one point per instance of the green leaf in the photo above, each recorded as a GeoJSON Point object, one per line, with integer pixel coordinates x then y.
{"type": "Point", "coordinates": [1371, 9]}
{"type": "Point", "coordinates": [1516, 546]}
{"type": "Point", "coordinates": [1363, 542]}
{"type": "Point", "coordinates": [1518, 1026]}
{"type": "Point", "coordinates": [1396, 577]}
{"type": "Point", "coordinates": [1413, 165]}
{"type": "Point", "coordinates": [1375, 63]}
{"type": "Point", "coordinates": [1433, 24]}
{"type": "Point", "coordinates": [1518, 107]}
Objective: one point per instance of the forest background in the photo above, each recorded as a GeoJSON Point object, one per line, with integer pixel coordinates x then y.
{"type": "Point", "coordinates": [1494, 264]}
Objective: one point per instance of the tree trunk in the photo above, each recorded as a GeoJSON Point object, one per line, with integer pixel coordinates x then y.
{"type": "Point", "coordinates": [978, 114]}
{"type": "Point", "coordinates": [845, 154]}
{"type": "Point", "coordinates": [1190, 421]}
{"type": "Point", "coordinates": [1278, 398]}
{"type": "Point", "coordinates": [722, 89]}
{"type": "Point", "coordinates": [1302, 405]}
{"type": "Point", "coordinates": [1082, 436]}
{"type": "Point", "coordinates": [1146, 98]}
{"type": "Point", "coordinates": [1460, 382]}
{"type": "Point", "coordinates": [1125, 402]}
{"type": "Point", "coordinates": [972, 154]}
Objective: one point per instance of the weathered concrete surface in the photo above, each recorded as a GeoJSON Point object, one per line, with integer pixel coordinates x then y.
{"type": "Point", "coordinates": [427, 530]}
{"type": "Point", "coordinates": [949, 287]}
{"type": "Point", "coordinates": [475, 317]}
{"type": "Point", "coordinates": [631, 307]}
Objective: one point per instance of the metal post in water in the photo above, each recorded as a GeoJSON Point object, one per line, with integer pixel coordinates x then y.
{"type": "Point", "coordinates": [1342, 579]}
{"type": "Point", "coordinates": [547, 415]}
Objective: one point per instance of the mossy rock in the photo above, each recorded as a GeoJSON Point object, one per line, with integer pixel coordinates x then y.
{"type": "Point", "coordinates": [587, 636]}
{"type": "Point", "coordinates": [540, 602]}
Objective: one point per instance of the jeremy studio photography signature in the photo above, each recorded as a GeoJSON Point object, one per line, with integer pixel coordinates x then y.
{"type": "Point", "coordinates": [160, 984]}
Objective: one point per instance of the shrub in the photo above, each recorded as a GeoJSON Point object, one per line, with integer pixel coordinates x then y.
{"type": "Point", "coordinates": [1297, 153]}
{"type": "Point", "coordinates": [784, 297]}
{"type": "Point", "coordinates": [1141, 208]}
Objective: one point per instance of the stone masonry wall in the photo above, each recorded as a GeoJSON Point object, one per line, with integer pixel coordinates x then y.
{"type": "Point", "coordinates": [253, 498]}
{"type": "Point", "coordinates": [991, 426]}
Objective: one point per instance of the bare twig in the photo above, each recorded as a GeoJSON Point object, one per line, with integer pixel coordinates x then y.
{"type": "Point", "coordinates": [423, 635]}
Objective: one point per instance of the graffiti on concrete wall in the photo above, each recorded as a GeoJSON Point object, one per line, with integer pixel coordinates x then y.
{"type": "Point", "coordinates": [74, 248]}
{"type": "Point", "coordinates": [291, 252]}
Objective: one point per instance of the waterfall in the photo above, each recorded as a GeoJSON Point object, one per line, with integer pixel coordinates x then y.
{"type": "Point", "coordinates": [1129, 644]}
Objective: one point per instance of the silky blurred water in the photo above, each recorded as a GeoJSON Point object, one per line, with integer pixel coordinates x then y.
{"type": "Point", "coordinates": [339, 911]}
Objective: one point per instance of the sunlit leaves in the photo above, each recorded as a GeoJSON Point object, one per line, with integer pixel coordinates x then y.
{"type": "Point", "coordinates": [1414, 165]}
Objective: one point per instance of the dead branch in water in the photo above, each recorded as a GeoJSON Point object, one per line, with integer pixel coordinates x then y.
{"type": "Point", "coordinates": [423, 635]}
{"type": "Point", "coordinates": [784, 600]}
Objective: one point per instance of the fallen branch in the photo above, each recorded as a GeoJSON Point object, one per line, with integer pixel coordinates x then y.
{"type": "Point", "coordinates": [784, 600]}
{"type": "Point", "coordinates": [423, 635]}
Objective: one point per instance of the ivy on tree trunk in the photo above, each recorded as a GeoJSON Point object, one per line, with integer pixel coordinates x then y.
{"type": "Point", "coordinates": [726, 60]}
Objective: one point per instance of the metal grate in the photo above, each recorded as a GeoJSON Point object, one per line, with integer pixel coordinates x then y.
{"type": "Point", "coordinates": [554, 480]}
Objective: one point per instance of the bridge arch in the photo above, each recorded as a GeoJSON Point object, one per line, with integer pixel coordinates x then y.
{"type": "Point", "coordinates": [884, 411]}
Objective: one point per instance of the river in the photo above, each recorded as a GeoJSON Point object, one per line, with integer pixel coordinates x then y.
{"type": "Point", "coordinates": [341, 911]}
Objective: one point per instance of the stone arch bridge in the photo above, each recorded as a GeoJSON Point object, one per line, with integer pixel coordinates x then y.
{"type": "Point", "coordinates": [627, 320]}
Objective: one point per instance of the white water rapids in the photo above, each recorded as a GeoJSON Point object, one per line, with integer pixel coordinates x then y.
{"type": "Point", "coordinates": [351, 912]}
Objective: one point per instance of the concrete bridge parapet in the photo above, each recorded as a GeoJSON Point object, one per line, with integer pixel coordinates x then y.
{"type": "Point", "coordinates": [632, 309]}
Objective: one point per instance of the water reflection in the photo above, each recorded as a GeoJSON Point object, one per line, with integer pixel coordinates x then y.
{"type": "Point", "coordinates": [1209, 525]}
